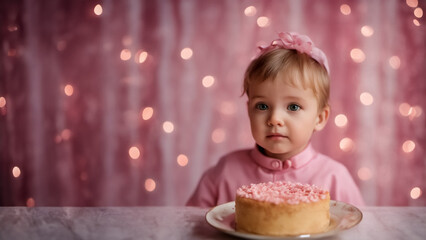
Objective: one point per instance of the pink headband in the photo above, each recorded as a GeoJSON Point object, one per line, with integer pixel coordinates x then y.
{"type": "Point", "coordinates": [301, 43]}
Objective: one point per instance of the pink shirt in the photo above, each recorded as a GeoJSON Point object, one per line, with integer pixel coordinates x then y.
{"type": "Point", "coordinates": [219, 184]}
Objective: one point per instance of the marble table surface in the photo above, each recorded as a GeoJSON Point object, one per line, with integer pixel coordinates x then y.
{"type": "Point", "coordinates": [178, 223]}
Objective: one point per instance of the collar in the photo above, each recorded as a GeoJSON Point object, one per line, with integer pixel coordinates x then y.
{"type": "Point", "coordinates": [295, 162]}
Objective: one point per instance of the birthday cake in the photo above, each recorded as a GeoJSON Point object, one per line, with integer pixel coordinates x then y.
{"type": "Point", "coordinates": [282, 208]}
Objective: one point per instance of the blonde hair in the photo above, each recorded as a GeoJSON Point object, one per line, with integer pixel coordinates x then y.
{"type": "Point", "coordinates": [298, 68]}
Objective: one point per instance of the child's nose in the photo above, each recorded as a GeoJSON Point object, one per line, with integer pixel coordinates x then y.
{"type": "Point", "coordinates": [276, 119]}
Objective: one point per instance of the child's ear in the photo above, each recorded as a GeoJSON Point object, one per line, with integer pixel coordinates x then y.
{"type": "Point", "coordinates": [322, 118]}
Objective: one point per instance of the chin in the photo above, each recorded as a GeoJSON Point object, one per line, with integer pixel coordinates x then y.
{"type": "Point", "coordinates": [276, 151]}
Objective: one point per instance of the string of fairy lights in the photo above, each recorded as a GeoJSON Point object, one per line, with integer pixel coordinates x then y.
{"type": "Point", "coordinates": [346, 144]}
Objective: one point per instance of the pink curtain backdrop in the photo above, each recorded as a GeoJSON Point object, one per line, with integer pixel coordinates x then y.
{"type": "Point", "coordinates": [106, 103]}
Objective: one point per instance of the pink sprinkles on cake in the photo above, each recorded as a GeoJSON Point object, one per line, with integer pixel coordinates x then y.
{"type": "Point", "coordinates": [283, 192]}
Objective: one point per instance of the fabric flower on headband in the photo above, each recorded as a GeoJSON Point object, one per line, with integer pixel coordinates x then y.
{"type": "Point", "coordinates": [300, 43]}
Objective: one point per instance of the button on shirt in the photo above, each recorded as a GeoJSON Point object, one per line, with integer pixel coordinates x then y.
{"type": "Point", "coordinates": [219, 184]}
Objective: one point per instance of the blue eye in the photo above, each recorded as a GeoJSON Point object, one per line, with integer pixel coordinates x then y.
{"type": "Point", "coordinates": [293, 107]}
{"type": "Point", "coordinates": [262, 106]}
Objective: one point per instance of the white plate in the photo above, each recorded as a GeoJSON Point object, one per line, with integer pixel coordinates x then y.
{"type": "Point", "coordinates": [342, 217]}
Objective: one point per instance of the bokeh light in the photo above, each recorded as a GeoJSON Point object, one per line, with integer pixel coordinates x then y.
{"type": "Point", "coordinates": [12, 28]}
{"type": "Point", "coordinates": [412, 3]}
{"type": "Point", "coordinates": [415, 193]}
{"type": "Point", "coordinates": [30, 202]}
{"type": "Point", "coordinates": [2, 102]}
{"type": "Point", "coordinates": [394, 62]}
{"type": "Point", "coordinates": [228, 108]}
{"type": "Point", "coordinates": [66, 134]}
{"type": "Point", "coordinates": [150, 185]}
{"type": "Point", "coordinates": [134, 152]}
{"type": "Point", "coordinates": [182, 160]}
{"type": "Point", "coordinates": [125, 54]}
{"type": "Point", "coordinates": [250, 11]}
{"type": "Point", "coordinates": [16, 172]}
{"type": "Point", "coordinates": [357, 55]}
{"type": "Point", "coordinates": [346, 144]}
{"type": "Point", "coordinates": [127, 40]}
{"type": "Point", "coordinates": [367, 31]}
{"type": "Point", "coordinates": [341, 120]}
{"type": "Point", "coordinates": [11, 52]}
{"type": "Point", "coordinates": [418, 12]}
{"type": "Point", "coordinates": [417, 111]}
{"type": "Point", "coordinates": [141, 56]}
{"type": "Point", "coordinates": [147, 113]}
{"type": "Point", "coordinates": [98, 9]}
{"type": "Point", "coordinates": [218, 135]}
{"type": "Point", "coordinates": [408, 146]}
{"type": "Point", "coordinates": [364, 174]}
{"type": "Point", "coordinates": [168, 127]}
{"type": "Point", "coordinates": [263, 22]}
{"type": "Point", "coordinates": [416, 22]}
{"type": "Point", "coordinates": [405, 109]}
{"type": "Point", "coordinates": [366, 98]}
{"type": "Point", "coordinates": [69, 90]}
{"type": "Point", "coordinates": [345, 9]}
{"type": "Point", "coordinates": [208, 81]}
{"type": "Point", "coordinates": [61, 45]}
{"type": "Point", "coordinates": [186, 53]}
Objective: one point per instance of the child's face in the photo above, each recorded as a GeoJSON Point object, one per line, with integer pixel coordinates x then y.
{"type": "Point", "coordinates": [283, 117]}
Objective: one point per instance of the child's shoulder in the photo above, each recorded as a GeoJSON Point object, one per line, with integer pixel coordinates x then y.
{"type": "Point", "coordinates": [236, 159]}
{"type": "Point", "coordinates": [328, 162]}
{"type": "Point", "coordinates": [235, 156]}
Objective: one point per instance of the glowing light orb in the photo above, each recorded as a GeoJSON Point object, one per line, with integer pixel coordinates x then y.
{"type": "Point", "coordinates": [416, 22]}
{"type": "Point", "coordinates": [250, 11]}
{"type": "Point", "coordinates": [98, 9]}
{"type": "Point", "coordinates": [346, 144]}
{"type": "Point", "coordinates": [345, 9]}
{"type": "Point", "coordinates": [125, 54]}
{"type": "Point", "coordinates": [134, 152]}
{"type": "Point", "coordinates": [341, 120]}
{"type": "Point", "coordinates": [415, 193]}
{"type": "Point", "coordinates": [141, 56]}
{"type": "Point", "coordinates": [218, 135]}
{"type": "Point", "coordinates": [182, 160]}
{"type": "Point", "coordinates": [364, 173]}
{"type": "Point", "coordinates": [127, 40]}
{"type": "Point", "coordinates": [405, 109]}
{"type": "Point", "coordinates": [208, 81]}
{"type": "Point", "coordinates": [150, 185]}
{"type": "Point", "coordinates": [228, 108]}
{"type": "Point", "coordinates": [418, 12]}
{"type": "Point", "coordinates": [394, 62]}
{"type": "Point", "coordinates": [263, 22]}
{"type": "Point", "coordinates": [66, 134]}
{"type": "Point", "coordinates": [366, 98]}
{"type": "Point", "coordinates": [186, 53]}
{"type": "Point", "coordinates": [2, 102]}
{"type": "Point", "coordinates": [417, 111]}
{"type": "Point", "coordinates": [30, 202]}
{"type": "Point", "coordinates": [408, 146]}
{"type": "Point", "coordinates": [357, 55]}
{"type": "Point", "coordinates": [12, 28]}
{"type": "Point", "coordinates": [147, 113]}
{"type": "Point", "coordinates": [412, 3]}
{"type": "Point", "coordinates": [367, 31]}
{"type": "Point", "coordinates": [69, 90]}
{"type": "Point", "coordinates": [168, 127]}
{"type": "Point", "coordinates": [16, 172]}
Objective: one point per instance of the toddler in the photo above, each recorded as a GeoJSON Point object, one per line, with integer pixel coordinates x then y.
{"type": "Point", "coordinates": [287, 87]}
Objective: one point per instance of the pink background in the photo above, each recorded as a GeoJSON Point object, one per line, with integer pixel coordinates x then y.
{"type": "Point", "coordinates": [63, 148]}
